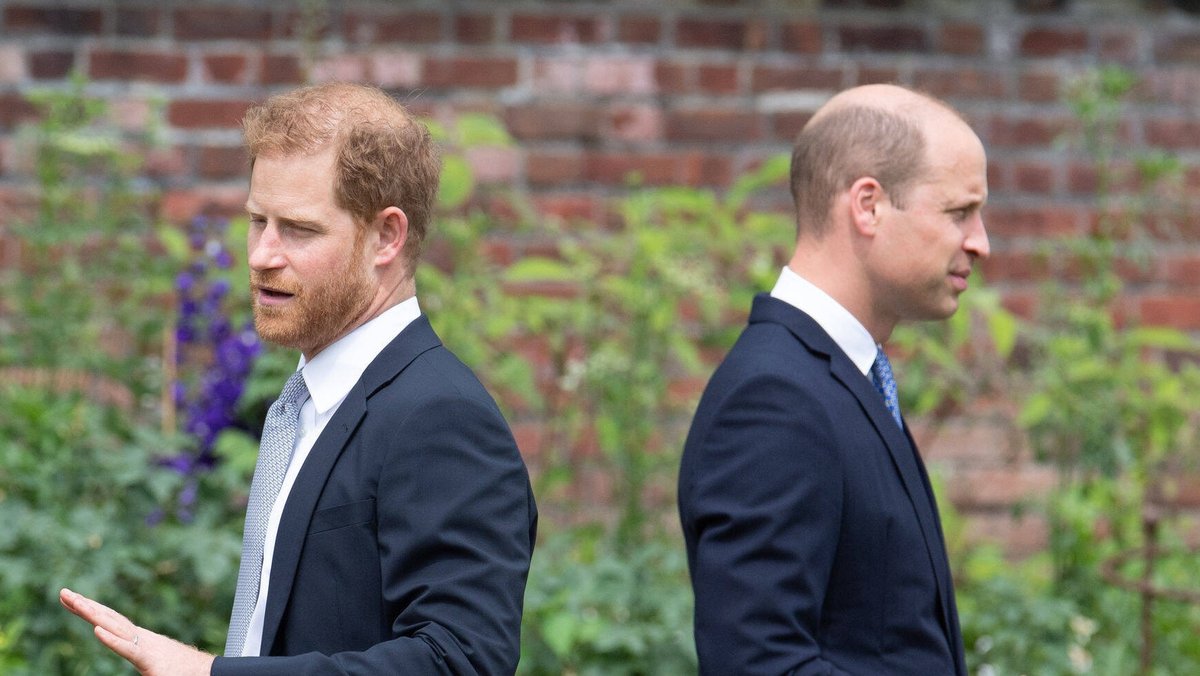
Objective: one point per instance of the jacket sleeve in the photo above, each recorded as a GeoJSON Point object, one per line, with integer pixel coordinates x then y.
{"type": "Point", "coordinates": [761, 503]}
{"type": "Point", "coordinates": [456, 524]}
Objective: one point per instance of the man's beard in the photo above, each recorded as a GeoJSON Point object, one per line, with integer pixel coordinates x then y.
{"type": "Point", "coordinates": [317, 314]}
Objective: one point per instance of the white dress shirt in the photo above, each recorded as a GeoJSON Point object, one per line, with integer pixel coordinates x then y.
{"type": "Point", "coordinates": [329, 377]}
{"type": "Point", "coordinates": [842, 327]}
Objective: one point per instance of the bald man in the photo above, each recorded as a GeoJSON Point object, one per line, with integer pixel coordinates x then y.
{"type": "Point", "coordinates": [812, 534]}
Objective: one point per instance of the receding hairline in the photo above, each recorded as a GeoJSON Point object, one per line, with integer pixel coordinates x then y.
{"type": "Point", "coordinates": [921, 109]}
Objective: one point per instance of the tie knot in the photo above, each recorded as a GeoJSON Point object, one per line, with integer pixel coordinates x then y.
{"type": "Point", "coordinates": [885, 382]}
{"type": "Point", "coordinates": [882, 368]}
{"type": "Point", "coordinates": [294, 389]}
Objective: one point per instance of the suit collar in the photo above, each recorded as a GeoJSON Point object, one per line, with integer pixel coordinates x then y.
{"type": "Point", "coordinates": [416, 338]}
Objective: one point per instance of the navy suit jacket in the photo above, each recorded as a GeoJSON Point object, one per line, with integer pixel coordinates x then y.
{"type": "Point", "coordinates": [405, 542]}
{"type": "Point", "coordinates": [812, 536]}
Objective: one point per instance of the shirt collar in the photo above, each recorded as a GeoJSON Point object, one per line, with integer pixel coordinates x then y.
{"type": "Point", "coordinates": [333, 372]}
{"type": "Point", "coordinates": [842, 327]}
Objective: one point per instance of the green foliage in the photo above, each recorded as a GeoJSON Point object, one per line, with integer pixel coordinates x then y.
{"type": "Point", "coordinates": [85, 276]}
{"type": "Point", "coordinates": [80, 488]}
{"type": "Point", "coordinates": [607, 323]}
{"type": "Point", "coordinates": [85, 501]}
{"type": "Point", "coordinates": [620, 315]}
{"type": "Point", "coordinates": [1112, 405]}
{"type": "Point", "coordinates": [592, 610]}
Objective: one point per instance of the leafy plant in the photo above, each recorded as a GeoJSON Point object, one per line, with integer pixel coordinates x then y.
{"type": "Point", "coordinates": [83, 487]}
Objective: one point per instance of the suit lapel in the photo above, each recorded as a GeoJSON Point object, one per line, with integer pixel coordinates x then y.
{"type": "Point", "coordinates": [416, 338]}
{"type": "Point", "coordinates": [900, 446]}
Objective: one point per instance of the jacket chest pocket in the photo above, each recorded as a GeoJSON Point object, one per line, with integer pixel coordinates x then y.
{"type": "Point", "coordinates": [349, 514]}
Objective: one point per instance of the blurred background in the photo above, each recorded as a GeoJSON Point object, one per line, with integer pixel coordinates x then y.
{"type": "Point", "coordinates": [614, 193]}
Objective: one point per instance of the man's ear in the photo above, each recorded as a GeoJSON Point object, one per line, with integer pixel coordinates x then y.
{"type": "Point", "coordinates": [392, 227]}
{"type": "Point", "coordinates": [867, 197]}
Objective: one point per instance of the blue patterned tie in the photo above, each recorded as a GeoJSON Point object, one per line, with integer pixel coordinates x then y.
{"type": "Point", "coordinates": [274, 455]}
{"type": "Point", "coordinates": [885, 382]}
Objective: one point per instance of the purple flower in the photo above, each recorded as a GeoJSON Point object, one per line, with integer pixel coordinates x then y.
{"type": "Point", "coordinates": [212, 373]}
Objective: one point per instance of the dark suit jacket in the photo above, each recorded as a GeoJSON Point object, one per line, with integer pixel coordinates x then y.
{"type": "Point", "coordinates": [405, 542]}
{"type": "Point", "coordinates": [812, 535]}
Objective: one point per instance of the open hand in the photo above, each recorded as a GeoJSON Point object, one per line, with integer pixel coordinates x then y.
{"type": "Point", "coordinates": [152, 654]}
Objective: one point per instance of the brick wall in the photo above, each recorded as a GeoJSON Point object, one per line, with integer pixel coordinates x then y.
{"type": "Point", "coordinates": [679, 92]}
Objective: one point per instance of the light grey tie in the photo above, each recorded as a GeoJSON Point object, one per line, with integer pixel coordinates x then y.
{"type": "Point", "coordinates": [274, 454]}
{"type": "Point", "coordinates": [885, 382]}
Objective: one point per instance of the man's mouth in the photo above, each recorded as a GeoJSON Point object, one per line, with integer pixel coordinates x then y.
{"type": "Point", "coordinates": [267, 294]}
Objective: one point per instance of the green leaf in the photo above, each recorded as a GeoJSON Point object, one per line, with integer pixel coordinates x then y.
{"type": "Point", "coordinates": [1003, 327]}
{"type": "Point", "coordinates": [478, 129]}
{"type": "Point", "coordinates": [558, 630]}
{"type": "Point", "coordinates": [538, 269]}
{"type": "Point", "coordinates": [458, 181]}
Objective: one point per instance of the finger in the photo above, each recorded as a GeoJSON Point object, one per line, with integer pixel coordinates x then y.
{"type": "Point", "coordinates": [125, 647]}
{"type": "Point", "coordinates": [98, 614]}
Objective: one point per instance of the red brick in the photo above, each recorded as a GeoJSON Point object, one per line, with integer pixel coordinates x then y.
{"type": "Point", "coordinates": [1183, 488]}
{"type": "Point", "coordinates": [470, 72]}
{"type": "Point", "coordinates": [553, 121]}
{"type": "Point", "coordinates": [142, 22]}
{"type": "Point", "coordinates": [1038, 132]}
{"type": "Point", "coordinates": [570, 206]}
{"type": "Point", "coordinates": [1176, 311]}
{"type": "Point", "coordinates": [787, 125]}
{"type": "Point", "coordinates": [205, 113]}
{"type": "Point", "coordinates": [618, 75]}
{"type": "Point", "coordinates": [24, 19]}
{"type": "Point", "coordinates": [639, 30]}
{"type": "Point", "coordinates": [876, 75]}
{"type": "Point", "coordinates": [672, 78]}
{"type": "Point", "coordinates": [1179, 48]}
{"type": "Point", "coordinates": [222, 162]}
{"type": "Point", "coordinates": [279, 69]}
{"type": "Point", "coordinates": [1014, 266]}
{"type": "Point", "coordinates": [554, 169]}
{"type": "Point", "coordinates": [768, 78]}
{"type": "Point", "coordinates": [15, 109]}
{"type": "Point", "coordinates": [1039, 87]}
{"type": "Point", "coordinates": [1083, 179]}
{"type": "Point", "coordinates": [1046, 221]}
{"type": "Point", "coordinates": [225, 68]}
{"type": "Point", "coordinates": [618, 169]}
{"type": "Point", "coordinates": [540, 29]}
{"type": "Point", "coordinates": [717, 79]}
{"type": "Point", "coordinates": [340, 67]}
{"type": "Point", "coordinates": [225, 23]}
{"type": "Point", "coordinates": [50, 65]}
{"type": "Point", "coordinates": [402, 27]}
{"type": "Point", "coordinates": [1053, 42]}
{"type": "Point", "coordinates": [1023, 304]}
{"type": "Point", "coordinates": [962, 83]}
{"type": "Point", "coordinates": [635, 123]}
{"type": "Point", "coordinates": [1184, 271]}
{"type": "Point", "coordinates": [889, 38]}
{"type": "Point", "coordinates": [706, 170]}
{"type": "Point", "coordinates": [1173, 133]}
{"type": "Point", "coordinates": [1033, 177]}
{"type": "Point", "coordinates": [728, 126]}
{"type": "Point", "coordinates": [803, 37]}
{"type": "Point", "coordinates": [1000, 486]}
{"type": "Point", "coordinates": [714, 34]}
{"type": "Point", "coordinates": [474, 29]}
{"type": "Point", "coordinates": [1119, 45]}
{"type": "Point", "coordinates": [183, 204]}
{"type": "Point", "coordinates": [163, 67]}
{"type": "Point", "coordinates": [962, 39]}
